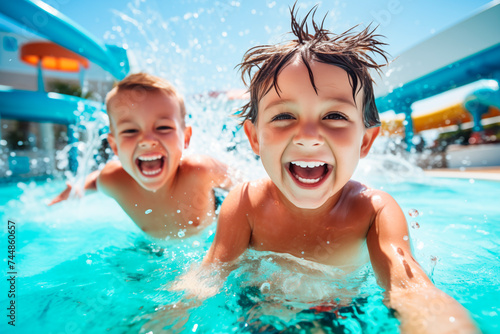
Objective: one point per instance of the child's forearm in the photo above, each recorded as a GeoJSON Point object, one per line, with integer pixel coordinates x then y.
{"type": "Point", "coordinates": [429, 310]}
{"type": "Point", "coordinates": [90, 185]}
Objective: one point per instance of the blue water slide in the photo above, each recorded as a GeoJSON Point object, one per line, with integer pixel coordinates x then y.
{"type": "Point", "coordinates": [44, 107]}
{"type": "Point", "coordinates": [482, 65]}
{"type": "Point", "coordinates": [43, 19]}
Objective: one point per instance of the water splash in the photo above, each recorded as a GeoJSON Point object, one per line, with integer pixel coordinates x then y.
{"type": "Point", "coordinates": [413, 213]}
{"type": "Point", "coordinates": [90, 132]}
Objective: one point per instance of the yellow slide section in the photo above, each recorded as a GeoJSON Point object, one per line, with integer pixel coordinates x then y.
{"type": "Point", "coordinates": [432, 120]}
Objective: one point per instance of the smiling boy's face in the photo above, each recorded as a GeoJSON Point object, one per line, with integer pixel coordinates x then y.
{"type": "Point", "coordinates": [148, 135]}
{"type": "Point", "coordinates": [310, 143]}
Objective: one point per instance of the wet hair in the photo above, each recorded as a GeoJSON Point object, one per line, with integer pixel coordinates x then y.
{"type": "Point", "coordinates": [349, 51]}
{"type": "Point", "coordinates": [141, 83]}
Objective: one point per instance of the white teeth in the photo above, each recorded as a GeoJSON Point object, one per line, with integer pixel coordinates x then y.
{"type": "Point", "coordinates": [308, 180]}
{"type": "Point", "coordinates": [150, 158]}
{"type": "Point", "coordinates": [309, 164]}
{"type": "Point", "coordinates": [152, 172]}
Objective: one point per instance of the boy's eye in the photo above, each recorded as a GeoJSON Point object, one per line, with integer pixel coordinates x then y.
{"type": "Point", "coordinates": [335, 116]}
{"type": "Point", "coordinates": [164, 128]}
{"type": "Point", "coordinates": [129, 131]}
{"type": "Point", "coordinates": [281, 117]}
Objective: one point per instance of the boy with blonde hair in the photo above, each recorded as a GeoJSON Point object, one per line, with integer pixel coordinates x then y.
{"type": "Point", "coordinates": [163, 192]}
{"type": "Point", "coordinates": [310, 118]}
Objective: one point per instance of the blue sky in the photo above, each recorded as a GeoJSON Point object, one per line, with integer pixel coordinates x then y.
{"type": "Point", "coordinates": [197, 43]}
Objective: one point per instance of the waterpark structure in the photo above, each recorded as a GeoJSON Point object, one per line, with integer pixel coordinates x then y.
{"type": "Point", "coordinates": [463, 54]}
{"type": "Point", "coordinates": [68, 48]}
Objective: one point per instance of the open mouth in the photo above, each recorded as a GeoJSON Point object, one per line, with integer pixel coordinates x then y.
{"type": "Point", "coordinates": [309, 173]}
{"type": "Point", "coordinates": [150, 165]}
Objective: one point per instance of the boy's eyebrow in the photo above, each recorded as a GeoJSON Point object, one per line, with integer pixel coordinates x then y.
{"type": "Point", "coordinates": [335, 99]}
{"type": "Point", "coordinates": [342, 100]}
{"type": "Point", "coordinates": [277, 102]}
{"type": "Point", "coordinates": [123, 120]}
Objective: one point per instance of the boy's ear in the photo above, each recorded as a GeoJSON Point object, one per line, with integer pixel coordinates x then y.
{"type": "Point", "coordinates": [368, 139]}
{"type": "Point", "coordinates": [251, 133]}
{"type": "Point", "coordinates": [188, 131]}
{"type": "Point", "coordinates": [112, 143]}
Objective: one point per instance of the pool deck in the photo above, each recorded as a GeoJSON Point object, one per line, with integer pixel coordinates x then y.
{"type": "Point", "coordinates": [479, 173]}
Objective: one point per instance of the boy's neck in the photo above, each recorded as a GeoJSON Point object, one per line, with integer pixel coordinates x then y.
{"type": "Point", "coordinates": [301, 213]}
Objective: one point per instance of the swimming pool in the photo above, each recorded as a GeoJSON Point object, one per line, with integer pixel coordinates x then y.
{"type": "Point", "coordinates": [84, 267]}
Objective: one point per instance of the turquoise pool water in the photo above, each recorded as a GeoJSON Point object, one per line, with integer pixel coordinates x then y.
{"type": "Point", "coordinates": [84, 267]}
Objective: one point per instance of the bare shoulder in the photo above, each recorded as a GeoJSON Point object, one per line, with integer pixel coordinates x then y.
{"type": "Point", "coordinates": [248, 195]}
{"type": "Point", "coordinates": [111, 170]}
{"type": "Point", "coordinates": [112, 177]}
{"type": "Point", "coordinates": [206, 168]}
{"type": "Point", "coordinates": [261, 191]}
{"type": "Point", "coordinates": [198, 162]}
{"type": "Point", "coordinates": [375, 198]}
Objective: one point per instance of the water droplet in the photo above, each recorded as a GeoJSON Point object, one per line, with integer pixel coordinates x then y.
{"type": "Point", "coordinates": [302, 252]}
{"type": "Point", "coordinates": [190, 222]}
{"type": "Point", "coordinates": [89, 261]}
{"type": "Point", "coordinates": [265, 287]}
{"type": "Point", "coordinates": [405, 238]}
{"type": "Point", "coordinates": [148, 211]}
{"type": "Point", "coordinates": [178, 211]}
{"type": "Point", "coordinates": [181, 234]}
{"type": "Point", "coordinates": [196, 243]}
{"type": "Point", "coordinates": [415, 225]}
{"type": "Point", "coordinates": [413, 213]}
{"type": "Point", "coordinates": [452, 319]}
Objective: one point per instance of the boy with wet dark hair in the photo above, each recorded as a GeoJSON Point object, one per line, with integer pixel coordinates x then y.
{"type": "Point", "coordinates": [310, 118]}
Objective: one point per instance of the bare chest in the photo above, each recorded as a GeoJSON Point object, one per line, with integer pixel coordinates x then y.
{"type": "Point", "coordinates": [328, 240]}
{"type": "Point", "coordinates": [175, 216]}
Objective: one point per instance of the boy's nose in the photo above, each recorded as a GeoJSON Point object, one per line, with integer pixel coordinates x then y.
{"type": "Point", "coordinates": [308, 135]}
{"type": "Point", "coordinates": [147, 142]}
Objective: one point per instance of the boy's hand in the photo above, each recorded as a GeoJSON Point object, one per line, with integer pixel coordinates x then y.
{"type": "Point", "coordinates": [90, 185]}
{"type": "Point", "coordinates": [63, 195]}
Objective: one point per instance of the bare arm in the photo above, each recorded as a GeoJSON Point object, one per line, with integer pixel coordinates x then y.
{"type": "Point", "coordinates": [420, 306]}
{"type": "Point", "coordinates": [90, 185]}
{"type": "Point", "coordinates": [231, 240]}
{"type": "Point", "coordinates": [233, 229]}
